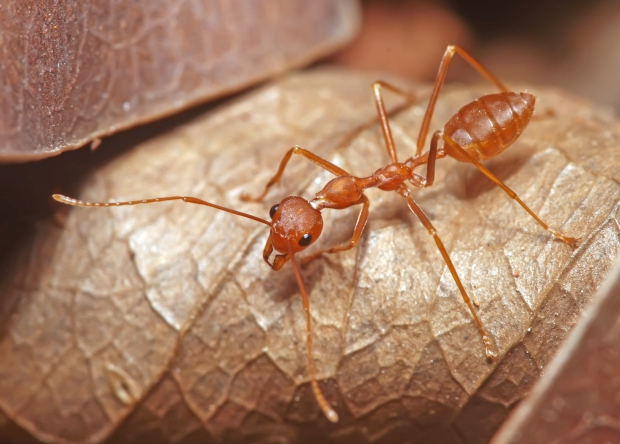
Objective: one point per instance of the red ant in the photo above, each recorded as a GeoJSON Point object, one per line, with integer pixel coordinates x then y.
{"type": "Point", "coordinates": [480, 130]}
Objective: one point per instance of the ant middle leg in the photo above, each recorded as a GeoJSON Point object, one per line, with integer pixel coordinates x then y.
{"type": "Point", "coordinates": [337, 171]}
{"type": "Point", "coordinates": [357, 233]}
{"type": "Point", "coordinates": [415, 208]}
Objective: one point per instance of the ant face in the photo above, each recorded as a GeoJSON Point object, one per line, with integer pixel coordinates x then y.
{"type": "Point", "coordinates": [295, 225]}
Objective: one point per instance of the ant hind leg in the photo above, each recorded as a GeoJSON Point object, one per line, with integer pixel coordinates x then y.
{"type": "Point", "coordinates": [451, 50]}
{"type": "Point", "coordinates": [573, 242]}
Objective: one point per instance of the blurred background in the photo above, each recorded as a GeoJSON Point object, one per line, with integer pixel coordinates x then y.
{"type": "Point", "coordinates": [572, 44]}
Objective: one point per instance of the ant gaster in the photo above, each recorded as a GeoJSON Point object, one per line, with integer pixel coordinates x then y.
{"type": "Point", "coordinates": [480, 130]}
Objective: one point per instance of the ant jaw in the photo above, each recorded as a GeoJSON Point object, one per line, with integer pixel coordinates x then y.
{"type": "Point", "coordinates": [279, 261]}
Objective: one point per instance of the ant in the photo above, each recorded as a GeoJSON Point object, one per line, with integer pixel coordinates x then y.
{"type": "Point", "coordinates": [479, 131]}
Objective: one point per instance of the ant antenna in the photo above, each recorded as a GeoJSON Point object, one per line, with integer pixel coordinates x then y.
{"type": "Point", "coordinates": [80, 203]}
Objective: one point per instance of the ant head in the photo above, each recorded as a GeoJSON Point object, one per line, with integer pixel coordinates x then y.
{"type": "Point", "coordinates": [295, 225]}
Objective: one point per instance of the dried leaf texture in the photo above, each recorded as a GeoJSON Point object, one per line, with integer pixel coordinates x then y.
{"type": "Point", "coordinates": [162, 323]}
{"type": "Point", "coordinates": [77, 70]}
{"type": "Point", "coordinates": [577, 400]}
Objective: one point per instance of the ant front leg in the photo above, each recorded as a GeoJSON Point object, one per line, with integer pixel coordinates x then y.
{"type": "Point", "coordinates": [357, 233]}
{"type": "Point", "coordinates": [439, 81]}
{"type": "Point", "coordinates": [329, 412]}
{"type": "Point", "coordinates": [404, 192]}
{"type": "Point", "coordinates": [303, 152]}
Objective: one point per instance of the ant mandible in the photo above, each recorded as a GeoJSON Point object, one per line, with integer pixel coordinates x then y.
{"type": "Point", "coordinates": [480, 130]}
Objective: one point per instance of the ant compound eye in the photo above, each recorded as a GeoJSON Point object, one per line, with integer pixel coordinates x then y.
{"type": "Point", "coordinates": [305, 240]}
{"type": "Point", "coordinates": [273, 210]}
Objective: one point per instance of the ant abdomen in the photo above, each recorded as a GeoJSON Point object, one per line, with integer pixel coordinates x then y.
{"type": "Point", "coordinates": [487, 126]}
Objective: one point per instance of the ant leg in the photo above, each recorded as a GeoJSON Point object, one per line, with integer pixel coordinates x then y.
{"type": "Point", "coordinates": [355, 132]}
{"type": "Point", "coordinates": [80, 203]}
{"type": "Point", "coordinates": [329, 412]}
{"type": "Point", "coordinates": [573, 242]}
{"type": "Point", "coordinates": [357, 233]}
{"type": "Point", "coordinates": [432, 156]}
{"type": "Point", "coordinates": [428, 159]}
{"type": "Point", "coordinates": [303, 152]}
{"type": "Point", "coordinates": [441, 77]}
{"type": "Point", "coordinates": [404, 192]}
{"type": "Point", "coordinates": [383, 114]}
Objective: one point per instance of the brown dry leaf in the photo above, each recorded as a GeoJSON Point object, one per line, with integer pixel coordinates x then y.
{"type": "Point", "coordinates": [577, 399]}
{"type": "Point", "coordinates": [74, 71]}
{"type": "Point", "coordinates": [161, 323]}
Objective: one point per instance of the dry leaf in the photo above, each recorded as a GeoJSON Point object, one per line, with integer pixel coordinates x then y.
{"type": "Point", "coordinates": [161, 323]}
{"type": "Point", "coordinates": [77, 70]}
{"type": "Point", "coordinates": [577, 399]}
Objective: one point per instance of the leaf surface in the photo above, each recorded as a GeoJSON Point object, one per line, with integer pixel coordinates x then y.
{"type": "Point", "coordinates": [76, 71]}
{"type": "Point", "coordinates": [576, 400]}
